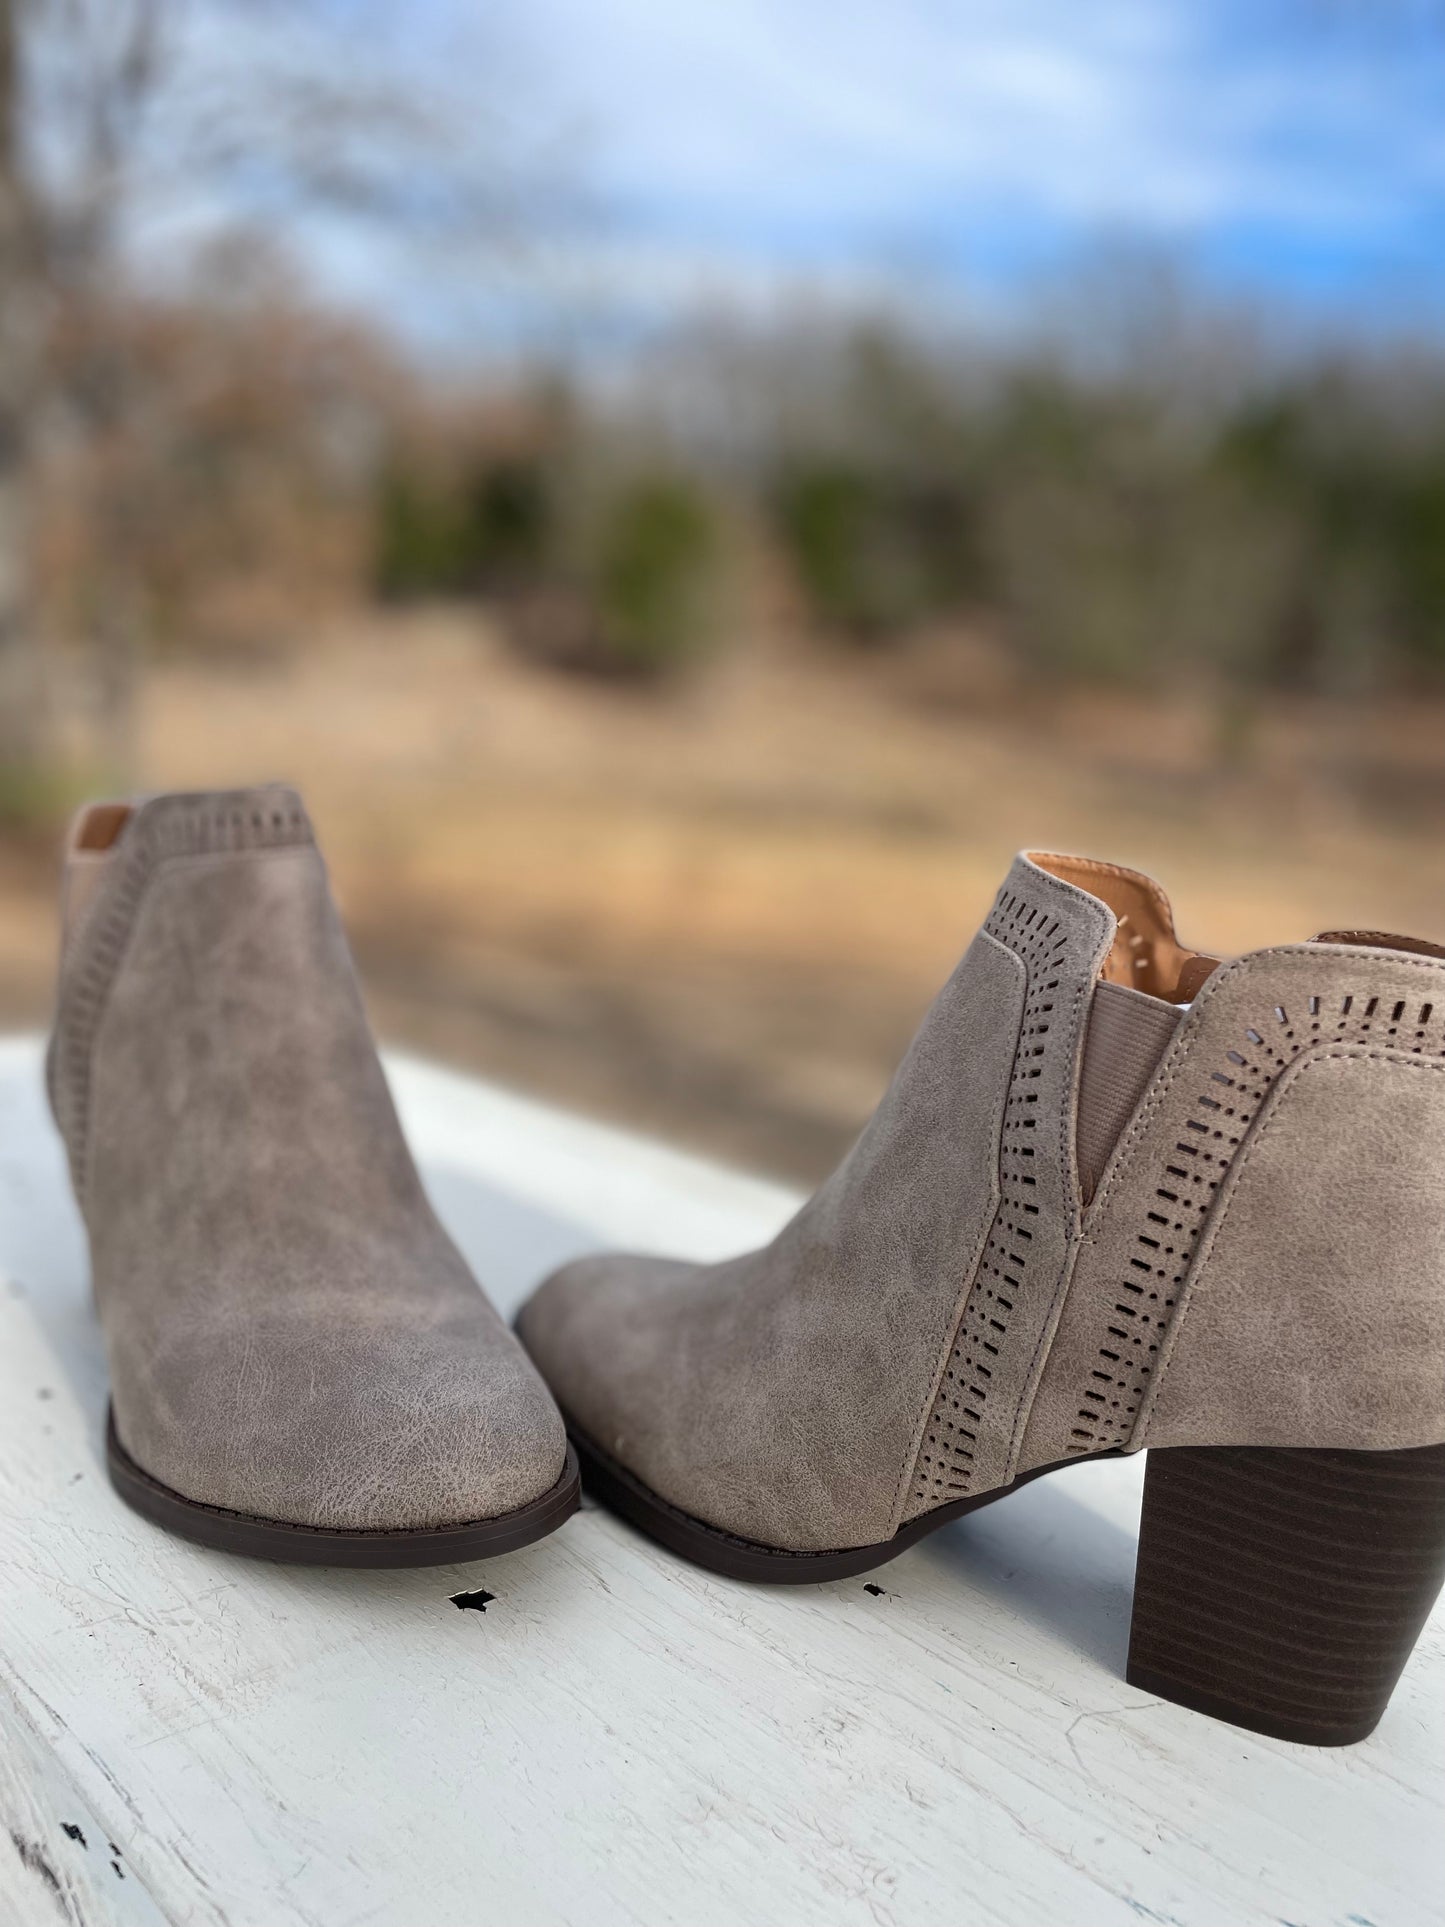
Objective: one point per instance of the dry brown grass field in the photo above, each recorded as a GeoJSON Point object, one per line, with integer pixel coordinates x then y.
{"type": "Point", "coordinates": [716, 913]}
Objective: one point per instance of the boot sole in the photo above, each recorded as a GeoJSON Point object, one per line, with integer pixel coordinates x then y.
{"type": "Point", "coordinates": [298, 1545]}
{"type": "Point", "coordinates": [723, 1552]}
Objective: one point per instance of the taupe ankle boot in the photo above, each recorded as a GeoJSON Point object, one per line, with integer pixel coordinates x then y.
{"type": "Point", "coordinates": [1083, 1222]}
{"type": "Point", "coordinates": [302, 1366]}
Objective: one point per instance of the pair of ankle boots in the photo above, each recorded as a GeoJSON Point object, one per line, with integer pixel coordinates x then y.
{"type": "Point", "coordinates": [1118, 1196]}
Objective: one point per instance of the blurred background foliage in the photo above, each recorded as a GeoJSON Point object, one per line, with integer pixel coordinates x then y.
{"type": "Point", "coordinates": [671, 709]}
{"type": "Point", "coordinates": [1288, 534]}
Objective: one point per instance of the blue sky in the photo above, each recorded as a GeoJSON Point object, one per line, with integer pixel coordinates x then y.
{"type": "Point", "coordinates": [755, 152]}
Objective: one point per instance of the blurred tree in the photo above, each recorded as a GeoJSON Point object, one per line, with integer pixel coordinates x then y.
{"type": "Point", "coordinates": [21, 690]}
{"type": "Point", "coordinates": [849, 541]}
{"type": "Point", "coordinates": [629, 584]}
{"type": "Point", "coordinates": [652, 577]}
{"type": "Point", "coordinates": [245, 114]}
{"type": "Point", "coordinates": [491, 529]}
{"type": "Point", "coordinates": [874, 494]}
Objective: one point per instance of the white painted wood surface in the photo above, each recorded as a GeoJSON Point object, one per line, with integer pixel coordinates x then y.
{"type": "Point", "coordinates": [189, 1737]}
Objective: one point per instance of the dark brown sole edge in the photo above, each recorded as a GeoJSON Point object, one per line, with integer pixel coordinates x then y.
{"type": "Point", "coordinates": [735, 1558]}
{"type": "Point", "coordinates": [297, 1545]}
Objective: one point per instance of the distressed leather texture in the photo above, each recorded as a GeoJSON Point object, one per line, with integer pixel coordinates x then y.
{"type": "Point", "coordinates": [781, 1396]}
{"type": "Point", "coordinates": [800, 1396]}
{"type": "Point", "coordinates": [1262, 1261]}
{"type": "Point", "coordinates": [1167, 1195]}
{"type": "Point", "coordinates": [1315, 1310]}
{"type": "Point", "coordinates": [1063, 937]}
{"type": "Point", "coordinates": [290, 1332]}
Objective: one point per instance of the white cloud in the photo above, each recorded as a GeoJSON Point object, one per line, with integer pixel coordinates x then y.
{"type": "Point", "coordinates": [770, 111]}
{"type": "Point", "coordinates": [761, 151]}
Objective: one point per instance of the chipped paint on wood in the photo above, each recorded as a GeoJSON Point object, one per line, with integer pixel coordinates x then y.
{"type": "Point", "coordinates": [630, 1740]}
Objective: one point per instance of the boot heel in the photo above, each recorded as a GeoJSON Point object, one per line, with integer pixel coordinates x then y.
{"type": "Point", "coordinates": [1282, 1591]}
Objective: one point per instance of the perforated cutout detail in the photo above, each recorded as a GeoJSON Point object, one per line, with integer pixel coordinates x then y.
{"type": "Point", "coordinates": [946, 1461]}
{"type": "Point", "coordinates": [1195, 1167]}
{"type": "Point", "coordinates": [185, 825]}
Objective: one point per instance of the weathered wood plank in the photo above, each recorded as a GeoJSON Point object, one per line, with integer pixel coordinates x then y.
{"type": "Point", "coordinates": [618, 1738]}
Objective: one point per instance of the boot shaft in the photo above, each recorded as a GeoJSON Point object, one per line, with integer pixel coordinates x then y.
{"type": "Point", "coordinates": [1264, 1261]}
{"type": "Point", "coordinates": [1217, 1225]}
{"type": "Point", "coordinates": [302, 1365]}
{"type": "Point", "coordinates": [211, 1061]}
{"type": "Point", "coordinates": [1118, 1195]}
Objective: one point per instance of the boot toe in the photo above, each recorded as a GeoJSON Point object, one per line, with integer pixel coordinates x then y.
{"type": "Point", "coordinates": [592, 1331]}
{"type": "Point", "coordinates": [351, 1438]}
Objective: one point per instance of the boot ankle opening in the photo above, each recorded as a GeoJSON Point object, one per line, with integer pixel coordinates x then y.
{"type": "Point", "coordinates": [1381, 940]}
{"type": "Point", "coordinates": [99, 827]}
{"type": "Point", "coordinates": [1146, 955]}
{"type": "Point", "coordinates": [93, 838]}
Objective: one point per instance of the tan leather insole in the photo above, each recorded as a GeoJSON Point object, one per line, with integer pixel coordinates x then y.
{"type": "Point", "coordinates": [1146, 955]}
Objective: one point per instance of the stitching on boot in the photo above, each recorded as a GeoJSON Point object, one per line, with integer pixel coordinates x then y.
{"type": "Point", "coordinates": [945, 1467]}
{"type": "Point", "coordinates": [1397, 1058]}
{"type": "Point", "coordinates": [1195, 1168]}
{"type": "Point", "coordinates": [173, 827]}
{"type": "Point", "coordinates": [1176, 1058]}
{"type": "Point", "coordinates": [1069, 1187]}
{"type": "Point", "coordinates": [908, 1469]}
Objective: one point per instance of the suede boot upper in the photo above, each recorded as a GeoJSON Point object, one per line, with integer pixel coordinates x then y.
{"type": "Point", "coordinates": [291, 1334]}
{"type": "Point", "coordinates": [1079, 1221]}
